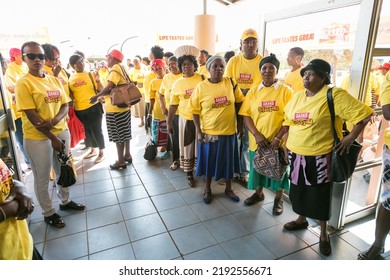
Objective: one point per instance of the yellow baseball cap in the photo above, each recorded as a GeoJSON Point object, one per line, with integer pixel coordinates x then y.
{"type": "Point", "coordinates": [249, 33]}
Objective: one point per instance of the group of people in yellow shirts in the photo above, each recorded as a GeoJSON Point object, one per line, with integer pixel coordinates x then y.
{"type": "Point", "coordinates": [216, 121]}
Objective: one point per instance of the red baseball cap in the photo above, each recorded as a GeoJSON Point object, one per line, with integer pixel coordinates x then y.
{"type": "Point", "coordinates": [385, 66]}
{"type": "Point", "coordinates": [116, 54]}
{"type": "Point", "coordinates": [14, 52]}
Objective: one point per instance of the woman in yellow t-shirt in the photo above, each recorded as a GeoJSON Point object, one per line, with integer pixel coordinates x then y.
{"type": "Point", "coordinates": [82, 86]}
{"type": "Point", "coordinates": [180, 96]}
{"type": "Point", "coordinates": [214, 104]}
{"type": "Point", "coordinates": [165, 98]}
{"type": "Point", "coordinates": [155, 115]}
{"type": "Point", "coordinates": [118, 120]}
{"type": "Point", "coordinates": [263, 116]}
{"type": "Point", "coordinates": [44, 105]}
{"type": "Point", "coordinates": [310, 144]}
{"type": "Point", "coordinates": [16, 242]}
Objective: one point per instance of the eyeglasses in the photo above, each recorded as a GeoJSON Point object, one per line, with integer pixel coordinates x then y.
{"type": "Point", "coordinates": [33, 56]}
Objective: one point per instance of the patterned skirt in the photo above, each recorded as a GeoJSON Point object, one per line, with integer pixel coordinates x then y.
{"type": "Point", "coordinates": [187, 145]}
{"type": "Point", "coordinates": [119, 126]}
{"type": "Point", "coordinates": [385, 196]}
{"type": "Point", "coordinates": [310, 186]}
{"type": "Point", "coordinates": [218, 159]}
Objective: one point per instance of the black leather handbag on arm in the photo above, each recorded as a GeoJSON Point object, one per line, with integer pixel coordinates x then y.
{"type": "Point", "coordinates": [342, 165]}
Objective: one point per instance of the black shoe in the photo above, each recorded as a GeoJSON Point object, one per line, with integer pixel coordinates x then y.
{"type": "Point", "coordinates": [55, 220]}
{"type": "Point", "coordinates": [278, 207]}
{"type": "Point", "coordinates": [255, 198]}
{"type": "Point", "coordinates": [325, 247]}
{"type": "Point", "coordinates": [117, 166]}
{"type": "Point", "coordinates": [295, 226]}
{"type": "Point", "coordinates": [72, 206]}
{"type": "Point", "coordinates": [207, 197]}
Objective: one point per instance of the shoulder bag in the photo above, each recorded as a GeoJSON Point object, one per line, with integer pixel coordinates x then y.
{"type": "Point", "coordinates": [342, 166]}
{"type": "Point", "coordinates": [125, 95]}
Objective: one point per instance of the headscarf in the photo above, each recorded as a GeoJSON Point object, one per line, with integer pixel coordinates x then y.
{"type": "Point", "coordinates": [212, 59]}
{"type": "Point", "coordinates": [157, 62]}
{"type": "Point", "coordinates": [270, 59]}
{"type": "Point", "coordinates": [14, 52]}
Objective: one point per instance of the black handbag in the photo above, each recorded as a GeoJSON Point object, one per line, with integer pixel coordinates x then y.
{"type": "Point", "coordinates": [342, 166]}
{"type": "Point", "coordinates": [150, 151]}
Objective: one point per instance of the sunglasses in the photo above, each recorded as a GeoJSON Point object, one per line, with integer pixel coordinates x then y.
{"type": "Point", "coordinates": [33, 56]}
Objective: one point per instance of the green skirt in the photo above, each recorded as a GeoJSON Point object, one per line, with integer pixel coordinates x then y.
{"type": "Point", "coordinates": [257, 180]}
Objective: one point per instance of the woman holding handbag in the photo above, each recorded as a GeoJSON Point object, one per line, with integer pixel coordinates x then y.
{"type": "Point", "coordinates": [118, 119]}
{"type": "Point", "coordinates": [310, 143]}
{"type": "Point", "coordinates": [82, 87]}
{"type": "Point", "coordinates": [262, 110]}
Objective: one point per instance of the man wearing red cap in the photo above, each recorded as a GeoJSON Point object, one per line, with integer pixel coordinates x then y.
{"type": "Point", "coordinates": [384, 68]}
{"type": "Point", "coordinates": [15, 70]}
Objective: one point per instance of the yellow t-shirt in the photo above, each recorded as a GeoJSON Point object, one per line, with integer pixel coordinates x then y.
{"type": "Point", "coordinates": [45, 95]}
{"type": "Point", "coordinates": [148, 78]}
{"type": "Point", "coordinates": [116, 77]}
{"type": "Point", "coordinates": [155, 84]}
{"type": "Point", "coordinates": [137, 75]}
{"type": "Point", "coordinates": [215, 105]}
{"type": "Point", "coordinates": [311, 131]}
{"type": "Point", "coordinates": [385, 100]}
{"type": "Point", "coordinates": [13, 73]}
{"type": "Point", "coordinates": [103, 74]}
{"type": "Point", "coordinates": [82, 88]}
{"type": "Point", "coordinates": [372, 87]}
{"type": "Point", "coordinates": [62, 76]}
{"type": "Point", "coordinates": [181, 93]}
{"type": "Point", "coordinates": [265, 106]}
{"type": "Point", "coordinates": [202, 70]}
{"type": "Point", "coordinates": [166, 87]}
{"type": "Point", "coordinates": [244, 72]}
{"type": "Point", "coordinates": [16, 242]}
{"type": "Point", "coordinates": [294, 80]}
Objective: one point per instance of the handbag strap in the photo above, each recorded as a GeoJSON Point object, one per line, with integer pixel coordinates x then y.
{"type": "Point", "coordinates": [329, 97]}
{"type": "Point", "coordinates": [124, 75]}
{"type": "Point", "coordinates": [93, 82]}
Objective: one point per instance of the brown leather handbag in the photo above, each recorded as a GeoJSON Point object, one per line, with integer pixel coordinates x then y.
{"type": "Point", "coordinates": [125, 95]}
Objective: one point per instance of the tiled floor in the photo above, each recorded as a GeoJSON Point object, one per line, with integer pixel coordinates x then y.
{"type": "Point", "coordinates": [149, 212]}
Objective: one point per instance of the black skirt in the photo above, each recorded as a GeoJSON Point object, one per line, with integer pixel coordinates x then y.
{"type": "Point", "coordinates": [310, 187]}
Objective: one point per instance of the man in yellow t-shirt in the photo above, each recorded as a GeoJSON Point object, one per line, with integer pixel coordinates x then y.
{"type": "Point", "coordinates": [293, 78]}
{"type": "Point", "coordinates": [16, 242]}
{"type": "Point", "coordinates": [204, 55]}
{"type": "Point", "coordinates": [244, 69]}
{"type": "Point", "coordinates": [382, 225]}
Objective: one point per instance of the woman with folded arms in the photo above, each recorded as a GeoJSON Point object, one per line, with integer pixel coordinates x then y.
{"type": "Point", "coordinates": [44, 105]}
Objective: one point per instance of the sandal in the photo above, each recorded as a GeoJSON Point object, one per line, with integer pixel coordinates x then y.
{"type": "Point", "coordinates": [207, 196]}
{"type": "Point", "coordinates": [117, 166]}
{"type": "Point", "coordinates": [129, 160]}
{"type": "Point", "coordinates": [232, 195]}
{"type": "Point", "coordinates": [325, 247]}
{"type": "Point", "coordinates": [373, 253]}
{"type": "Point", "coordinates": [190, 181]}
{"type": "Point", "coordinates": [174, 165]}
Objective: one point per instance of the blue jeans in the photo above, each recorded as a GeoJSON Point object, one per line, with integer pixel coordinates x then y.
{"type": "Point", "coordinates": [19, 138]}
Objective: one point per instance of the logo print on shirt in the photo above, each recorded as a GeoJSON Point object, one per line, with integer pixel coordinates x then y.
{"type": "Point", "coordinates": [302, 119]}
{"type": "Point", "coordinates": [268, 106]}
{"type": "Point", "coordinates": [187, 93]}
{"type": "Point", "coordinates": [245, 79]}
{"type": "Point", "coordinates": [79, 83]}
{"type": "Point", "coordinates": [220, 102]}
{"type": "Point", "coordinates": [53, 96]}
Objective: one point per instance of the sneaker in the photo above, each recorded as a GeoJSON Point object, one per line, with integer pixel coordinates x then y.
{"type": "Point", "coordinates": [72, 206]}
{"type": "Point", "coordinates": [55, 220]}
{"type": "Point", "coordinates": [255, 198]}
{"type": "Point", "coordinates": [165, 155]}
